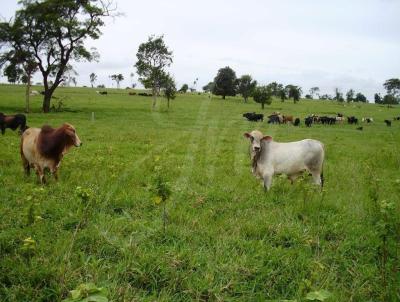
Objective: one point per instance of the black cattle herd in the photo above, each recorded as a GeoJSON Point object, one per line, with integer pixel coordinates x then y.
{"type": "Point", "coordinates": [278, 118]}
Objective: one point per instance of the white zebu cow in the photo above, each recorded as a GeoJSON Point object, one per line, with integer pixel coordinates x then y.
{"type": "Point", "coordinates": [269, 158]}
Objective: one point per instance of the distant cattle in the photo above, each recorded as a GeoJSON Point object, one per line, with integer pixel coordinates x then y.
{"type": "Point", "coordinates": [254, 117]}
{"type": "Point", "coordinates": [102, 92]}
{"type": "Point", "coordinates": [269, 158]}
{"type": "Point", "coordinates": [367, 120]}
{"type": "Point", "coordinates": [308, 121]}
{"type": "Point", "coordinates": [34, 92]}
{"type": "Point", "coordinates": [326, 120]}
{"type": "Point", "coordinates": [296, 122]}
{"type": "Point", "coordinates": [12, 122]}
{"type": "Point", "coordinates": [144, 94]}
{"type": "Point", "coordinates": [274, 119]}
{"type": "Point", "coordinates": [397, 118]}
{"type": "Point", "coordinates": [44, 148]}
{"type": "Point", "coordinates": [359, 128]}
{"type": "Point", "coordinates": [287, 118]}
{"type": "Point", "coordinates": [388, 123]}
{"type": "Point", "coordinates": [132, 93]}
{"type": "Point", "coordinates": [352, 120]}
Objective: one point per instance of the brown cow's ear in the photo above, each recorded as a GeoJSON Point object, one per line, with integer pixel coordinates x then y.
{"type": "Point", "coordinates": [267, 138]}
{"type": "Point", "coordinates": [247, 135]}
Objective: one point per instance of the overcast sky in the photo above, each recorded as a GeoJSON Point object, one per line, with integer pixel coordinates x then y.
{"type": "Point", "coordinates": [342, 43]}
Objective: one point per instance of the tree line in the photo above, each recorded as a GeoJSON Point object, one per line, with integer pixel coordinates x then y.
{"type": "Point", "coordinates": [47, 36]}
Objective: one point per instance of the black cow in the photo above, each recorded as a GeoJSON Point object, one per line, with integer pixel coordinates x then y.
{"type": "Point", "coordinates": [296, 122]}
{"type": "Point", "coordinates": [397, 118]}
{"type": "Point", "coordinates": [388, 123]}
{"type": "Point", "coordinates": [254, 117]}
{"type": "Point", "coordinates": [12, 122]}
{"type": "Point", "coordinates": [352, 120]}
{"type": "Point", "coordinates": [359, 128]}
{"type": "Point", "coordinates": [327, 120]}
{"type": "Point", "coordinates": [308, 121]}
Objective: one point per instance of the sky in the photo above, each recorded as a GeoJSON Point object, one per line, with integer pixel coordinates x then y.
{"type": "Point", "coordinates": [329, 44]}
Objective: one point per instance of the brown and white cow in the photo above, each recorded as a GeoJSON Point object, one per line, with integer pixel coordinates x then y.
{"type": "Point", "coordinates": [44, 148]}
{"type": "Point", "coordinates": [270, 158]}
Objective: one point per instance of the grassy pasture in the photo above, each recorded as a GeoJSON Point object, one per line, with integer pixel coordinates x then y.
{"type": "Point", "coordinates": [225, 240]}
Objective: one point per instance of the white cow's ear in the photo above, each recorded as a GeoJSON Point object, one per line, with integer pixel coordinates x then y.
{"type": "Point", "coordinates": [247, 135]}
{"type": "Point", "coordinates": [267, 138]}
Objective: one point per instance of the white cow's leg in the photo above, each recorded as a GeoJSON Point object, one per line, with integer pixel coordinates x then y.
{"type": "Point", "coordinates": [267, 181]}
{"type": "Point", "coordinates": [316, 175]}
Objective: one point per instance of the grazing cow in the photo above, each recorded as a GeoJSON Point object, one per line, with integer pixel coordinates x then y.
{"type": "Point", "coordinates": [359, 128]}
{"type": "Point", "coordinates": [327, 120]}
{"type": "Point", "coordinates": [352, 120]}
{"type": "Point", "coordinates": [34, 92]}
{"type": "Point", "coordinates": [388, 123]}
{"type": "Point", "coordinates": [397, 118]}
{"type": "Point", "coordinates": [132, 93]}
{"type": "Point", "coordinates": [287, 118]}
{"type": "Point", "coordinates": [12, 122]}
{"type": "Point", "coordinates": [340, 119]}
{"type": "Point", "coordinates": [367, 120]}
{"type": "Point", "coordinates": [308, 121]}
{"type": "Point", "coordinates": [269, 158]}
{"type": "Point", "coordinates": [296, 122]}
{"type": "Point", "coordinates": [254, 117]}
{"type": "Point", "coordinates": [44, 148]}
{"type": "Point", "coordinates": [274, 119]}
{"type": "Point", "coordinates": [101, 92]}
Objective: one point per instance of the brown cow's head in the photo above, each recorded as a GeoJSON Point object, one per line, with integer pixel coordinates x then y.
{"type": "Point", "coordinates": [256, 137]}
{"type": "Point", "coordinates": [71, 134]}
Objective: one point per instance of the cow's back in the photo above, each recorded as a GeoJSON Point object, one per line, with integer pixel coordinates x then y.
{"type": "Point", "coordinates": [295, 156]}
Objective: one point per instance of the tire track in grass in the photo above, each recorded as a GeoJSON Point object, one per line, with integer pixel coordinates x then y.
{"type": "Point", "coordinates": [182, 181]}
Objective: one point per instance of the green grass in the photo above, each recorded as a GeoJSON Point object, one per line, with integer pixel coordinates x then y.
{"type": "Point", "coordinates": [226, 240]}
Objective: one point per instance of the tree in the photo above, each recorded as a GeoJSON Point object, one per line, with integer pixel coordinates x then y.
{"type": "Point", "coordinates": [378, 98]}
{"type": "Point", "coordinates": [246, 86]}
{"type": "Point", "coordinates": [153, 57]}
{"type": "Point", "coordinates": [314, 90]}
{"type": "Point", "coordinates": [208, 87]}
{"type": "Point", "coordinates": [117, 78]}
{"type": "Point", "coordinates": [392, 86]}
{"type": "Point", "coordinates": [282, 94]}
{"type": "Point", "coordinates": [338, 95]}
{"type": "Point", "coordinates": [184, 88]}
{"type": "Point", "coordinates": [225, 82]}
{"type": "Point", "coordinates": [390, 99]}
{"type": "Point", "coordinates": [52, 33]}
{"type": "Point", "coordinates": [350, 96]}
{"type": "Point", "coordinates": [169, 88]}
{"type": "Point", "coordinates": [262, 95]}
{"type": "Point", "coordinates": [360, 98]}
{"type": "Point", "coordinates": [293, 92]}
{"type": "Point", "coordinates": [275, 88]}
{"type": "Point", "coordinates": [93, 78]}
{"type": "Point", "coordinates": [133, 84]}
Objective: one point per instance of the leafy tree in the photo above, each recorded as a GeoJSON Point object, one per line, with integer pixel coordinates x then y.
{"type": "Point", "coordinates": [275, 88]}
{"type": "Point", "coordinates": [208, 87]}
{"type": "Point", "coordinates": [325, 97]}
{"type": "Point", "coordinates": [390, 99]}
{"type": "Point", "coordinates": [184, 88]}
{"type": "Point", "coordinates": [169, 88]}
{"type": "Point", "coordinates": [52, 34]}
{"type": "Point", "coordinates": [350, 96]}
{"type": "Point", "coordinates": [93, 78]}
{"type": "Point", "coordinates": [294, 92]}
{"type": "Point", "coordinates": [360, 98]}
{"type": "Point", "coordinates": [225, 82]}
{"type": "Point", "coordinates": [314, 90]}
{"type": "Point", "coordinates": [262, 95]}
{"type": "Point", "coordinates": [378, 98]}
{"type": "Point", "coordinates": [338, 95]}
{"type": "Point", "coordinates": [153, 57]}
{"type": "Point", "coordinates": [246, 86]}
{"type": "Point", "coordinates": [282, 94]}
{"type": "Point", "coordinates": [308, 96]}
{"type": "Point", "coordinates": [117, 78]}
{"type": "Point", "coordinates": [392, 86]}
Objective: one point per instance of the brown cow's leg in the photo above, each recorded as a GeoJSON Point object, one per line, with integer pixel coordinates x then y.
{"type": "Point", "coordinates": [26, 165]}
{"type": "Point", "coordinates": [40, 174]}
